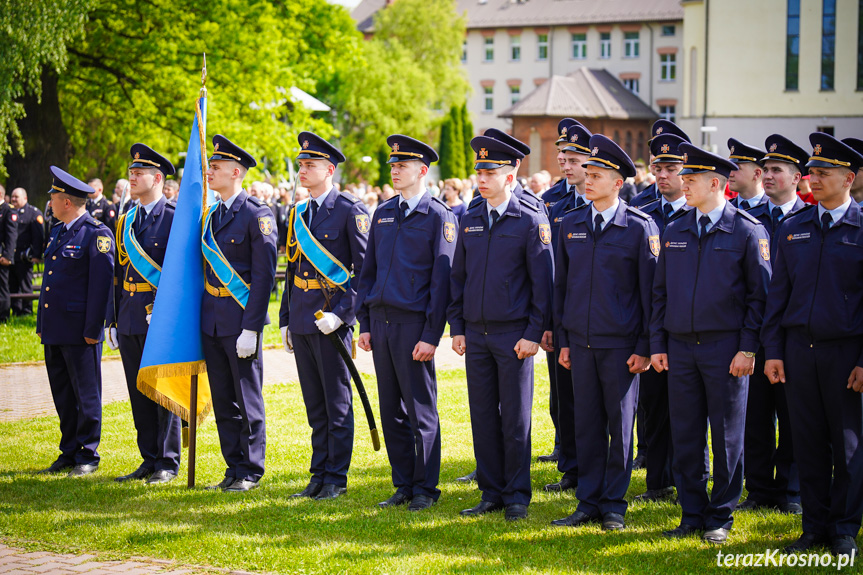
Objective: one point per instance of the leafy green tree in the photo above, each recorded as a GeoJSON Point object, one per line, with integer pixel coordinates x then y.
{"type": "Point", "coordinates": [448, 149]}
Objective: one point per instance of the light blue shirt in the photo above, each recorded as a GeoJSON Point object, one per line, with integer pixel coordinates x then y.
{"type": "Point", "coordinates": [675, 205]}
{"type": "Point", "coordinates": [784, 207]}
{"type": "Point", "coordinates": [501, 209]}
{"type": "Point", "coordinates": [149, 207]}
{"type": "Point", "coordinates": [606, 214]}
{"type": "Point", "coordinates": [574, 190]}
{"type": "Point", "coordinates": [72, 223]}
{"type": "Point", "coordinates": [837, 213]}
{"type": "Point", "coordinates": [412, 203]}
{"type": "Point", "coordinates": [714, 216]}
{"type": "Point", "coordinates": [751, 202]}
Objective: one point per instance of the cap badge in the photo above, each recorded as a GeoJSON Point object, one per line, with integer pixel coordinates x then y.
{"type": "Point", "coordinates": [483, 153]}
{"type": "Point", "coordinates": [685, 157]}
{"type": "Point", "coordinates": [594, 151]}
{"type": "Point", "coordinates": [305, 144]}
{"type": "Point", "coordinates": [563, 131]}
{"type": "Point", "coordinates": [658, 130]}
{"type": "Point", "coordinates": [216, 149]}
{"type": "Point", "coordinates": [575, 137]}
{"type": "Point", "coordinates": [665, 148]}
{"type": "Point", "coordinates": [732, 149]}
{"type": "Point", "coordinates": [773, 147]}
{"type": "Point", "coordinates": [396, 147]}
{"type": "Point", "coordinates": [137, 155]}
{"type": "Point", "coordinates": [818, 149]}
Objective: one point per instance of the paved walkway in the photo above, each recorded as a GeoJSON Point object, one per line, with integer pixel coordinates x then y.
{"type": "Point", "coordinates": [25, 393]}
{"type": "Point", "coordinates": [19, 562]}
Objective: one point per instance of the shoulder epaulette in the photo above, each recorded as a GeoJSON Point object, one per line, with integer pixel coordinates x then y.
{"type": "Point", "coordinates": [638, 213]}
{"type": "Point", "coordinates": [748, 216]}
{"type": "Point", "coordinates": [256, 201]}
{"type": "Point", "coordinates": [389, 201]}
{"type": "Point", "coordinates": [168, 205]}
{"type": "Point", "coordinates": [441, 202]}
{"type": "Point", "coordinates": [651, 204]}
{"type": "Point", "coordinates": [93, 222]}
{"type": "Point", "coordinates": [349, 197]}
{"type": "Point", "coordinates": [802, 210]}
{"type": "Point", "coordinates": [527, 203]}
{"type": "Point", "coordinates": [582, 206]}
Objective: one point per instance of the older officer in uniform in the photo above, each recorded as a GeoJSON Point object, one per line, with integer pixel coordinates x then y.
{"type": "Point", "coordinates": [402, 300]}
{"type": "Point", "coordinates": [651, 192]}
{"type": "Point", "coordinates": [708, 303]}
{"type": "Point", "coordinates": [99, 206]}
{"type": "Point", "coordinates": [326, 247]}
{"type": "Point", "coordinates": [76, 291]}
{"type": "Point", "coordinates": [745, 181]}
{"type": "Point", "coordinates": [142, 236]}
{"type": "Point", "coordinates": [813, 336]}
{"type": "Point", "coordinates": [772, 480]}
{"type": "Point", "coordinates": [501, 287]}
{"type": "Point", "coordinates": [239, 244]}
{"type": "Point", "coordinates": [28, 249]}
{"type": "Point", "coordinates": [8, 241]}
{"type": "Point", "coordinates": [602, 297]}
{"type": "Point", "coordinates": [653, 393]}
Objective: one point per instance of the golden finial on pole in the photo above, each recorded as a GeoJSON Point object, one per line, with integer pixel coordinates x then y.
{"type": "Point", "coordinates": [204, 77]}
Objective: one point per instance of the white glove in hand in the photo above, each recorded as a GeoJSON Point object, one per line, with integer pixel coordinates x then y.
{"type": "Point", "coordinates": [329, 323]}
{"type": "Point", "coordinates": [111, 338]}
{"type": "Point", "coordinates": [286, 340]}
{"type": "Point", "coordinates": [149, 317]}
{"type": "Point", "coordinates": [247, 343]}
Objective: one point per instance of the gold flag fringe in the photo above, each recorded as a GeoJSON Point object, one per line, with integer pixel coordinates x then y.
{"type": "Point", "coordinates": [156, 372]}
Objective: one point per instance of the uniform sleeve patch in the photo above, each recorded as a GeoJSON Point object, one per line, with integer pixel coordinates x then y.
{"type": "Point", "coordinates": [449, 231]}
{"type": "Point", "coordinates": [40, 219]}
{"type": "Point", "coordinates": [545, 233]}
{"type": "Point", "coordinates": [266, 225]}
{"type": "Point", "coordinates": [654, 244]}
{"type": "Point", "coordinates": [103, 244]}
{"type": "Point", "coordinates": [13, 217]}
{"type": "Point", "coordinates": [764, 249]}
{"type": "Point", "coordinates": [363, 223]}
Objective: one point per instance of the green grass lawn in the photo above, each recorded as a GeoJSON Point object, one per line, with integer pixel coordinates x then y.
{"type": "Point", "coordinates": [266, 530]}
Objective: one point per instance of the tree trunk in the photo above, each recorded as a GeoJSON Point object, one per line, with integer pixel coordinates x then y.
{"type": "Point", "coordinates": [46, 143]}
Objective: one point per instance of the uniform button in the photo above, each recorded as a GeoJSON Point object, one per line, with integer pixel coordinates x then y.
{"type": "Point", "coordinates": [157, 244]}
{"type": "Point", "coordinates": [131, 294]}
{"type": "Point", "coordinates": [53, 257]}
{"type": "Point", "coordinates": [326, 235]}
{"type": "Point", "coordinates": [51, 272]}
{"type": "Point", "coordinates": [46, 305]}
{"type": "Point", "coordinates": [306, 274]}
{"type": "Point", "coordinates": [47, 289]}
{"type": "Point", "coordinates": [232, 241]}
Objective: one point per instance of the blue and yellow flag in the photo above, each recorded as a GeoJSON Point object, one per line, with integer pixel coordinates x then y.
{"type": "Point", "coordinates": [174, 351]}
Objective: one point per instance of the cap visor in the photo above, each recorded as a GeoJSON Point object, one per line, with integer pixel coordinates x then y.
{"type": "Point", "coordinates": [820, 164]}
{"type": "Point", "coordinates": [685, 171]}
{"type": "Point", "coordinates": [488, 166]}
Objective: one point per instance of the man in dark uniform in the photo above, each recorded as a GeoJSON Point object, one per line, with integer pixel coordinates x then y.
{"type": "Point", "coordinates": [708, 302]}
{"type": "Point", "coordinates": [602, 297]}
{"type": "Point", "coordinates": [745, 181]}
{"type": "Point", "coordinates": [501, 287]}
{"type": "Point", "coordinates": [99, 206]}
{"type": "Point", "coordinates": [772, 480]}
{"type": "Point", "coordinates": [76, 292]}
{"type": "Point", "coordinates": [28, 249]}
{"type": "Point", "coordinates": [239, 246]}
{"type": "Point", "coordinates": [402, 300]}
{"type": "Point", "coordinates": [321, 280]}
{"type": "Point", "coordinates": [574, 152]}
{"type": "Point", "coordinates": [142, 236]}
{"type": "Point", "coordinates": [857, 187]}
{"type": "Point", "coordinates": [8, 241]}
{"type": "Point", "coordinates": [653, 393]}
{"type": "Point", "coordinates": [651, 193]}
{"type": "Point", "coordinates": [813, 336]}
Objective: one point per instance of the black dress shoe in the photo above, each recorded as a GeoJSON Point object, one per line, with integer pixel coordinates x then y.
{"type": "Point", "coordinates": [790, 508]}
{"type": "Point", "coordinates": [565, 484]}
{"type": "Point", "coordinates": [577, 519]}
{"type": "Point", "coordinates": [311, 490]}
{"type": "Point", "coordinates": [655, 495]}
{"type": "Point", "coordinates": [551, 457]}
{"type": "Point", "coordinates": [222, 485]}
{"type": "Point", "coordinates": [161, 476]}
{"type": "Point", "coordinates": [481, 509]}
{"type": "Point", "coordinates": [467, 478]}
{"type": "Point", "coordinates": [751, 505]}
{"type": "Point", "coordinates": [806, 542]}
{"type": "Point", "coordinates": [83, 469]}
{"type": "Point", "coordinates": [398, 498]}
{"type": "Point", "coordinates": [613, 522]}
{"type": "Point", "coordinates": [420, 502]}
{"type": "Point", "coordinates": [56, 467]}
{"type": "Point", "coordinates": [515, 511]}
{"type": "Point", "coordinates": [640, 461]}
{"type": "Point", "coordinates": [330, 491]}
{"type": "Point", "coordinates": [240, 486]}
{"type": "Point", "coordinates": [717, 536]}
{"type": "Point", "coordinates": [844, 545]}
{"type": "Point", "coordinates": [140, 473]}
{"type": "Point", "coordinates": [682, 530]}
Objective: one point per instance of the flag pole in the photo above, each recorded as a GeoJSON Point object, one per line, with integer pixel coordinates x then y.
{"type": "Point", "coordinates": [193, 391]}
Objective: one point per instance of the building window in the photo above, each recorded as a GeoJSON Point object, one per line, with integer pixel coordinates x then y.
{"type": "Point", "coordinates": [829, 130]}
{"type": "Point", "coordinates": [514, 94]}
{"type": "Point", "coordinates": [792, 46]}
{"type": "Point", "coordinates": [464, 52]}
{"type": "Point", "coordinates": [667, 67]}
{"type": "Point", "coordinates": [828, 44]}
{"type": "Point", "coordinates": [515, 48]}
{"type": "Point", "coordinates": [579, 46]}
{"type": "Point", "coordinates": [489, 49]}
{"type": "Point", "coordinates": [669, 30]}
{"type": "Point", "coordinates": [488, 98]}
{"type": "Point", "coordinates": [630, 44]}
{"type": "Point", "coordinates": [668, 113]}
{"type": "Point", "coordinates": [605, 44]}
{"type": "Point", "coordinates": [542, 46]}
{"type": "Point", "coordinates": [631, 84]}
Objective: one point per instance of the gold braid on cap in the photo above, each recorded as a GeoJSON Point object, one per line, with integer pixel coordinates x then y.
{"type": "Point", "coordinates": [744, 158]}
{"type": "Point", "coordinates": [143, 161]}
{"type": "Point", "coordinates": [58, 189]}
{"type": "Point", "coordinates": [606, 162]}
{"type": "Point", "coordinates": [829, 161]}
{"type": "Point", "coordinates": [699, 167]}
{"type": "Point", "coordinates": [782, 156]}
{"type": "Point", "coordinates": [232, 156]}
{"type": "Point", "coordinates": [316, 153]}
{"type": "Point", "coordinates": [400, 153]}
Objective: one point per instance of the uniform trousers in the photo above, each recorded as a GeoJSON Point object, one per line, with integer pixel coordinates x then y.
{"type": "Point", "coordinates": [21, 281]}
{"type": "Point", "coordinates": [238, 404]}
{"type": "Point", "coordinates": [407, 392]}
{"type": "Point", "coordinates": [5, 300]}
{"type": "Point", "coordinates": [75, 376]}
{"type": "Point", "coordinates": [563, 415]}
{"type": "Point", "coordinates": [158, 430]}
{"type": "Point", "coordinates": [653, 398]}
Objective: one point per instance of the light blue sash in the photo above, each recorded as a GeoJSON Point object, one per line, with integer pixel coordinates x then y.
{"type": "Point", "coordinates": [226, 274]}
{"type": "Point", "coordinates": [321, 259]}
{"type": "Point", "coordinates": [143, 264]}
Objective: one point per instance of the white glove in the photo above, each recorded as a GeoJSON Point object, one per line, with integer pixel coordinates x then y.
{"type": "Point", "coordinates": [329, 323]}
{"type": "Point", "coordinates": [287, 341]}
{"type": "Point", "coordinates": [247, 343]}
{"type": "Point", "coordinates": [148, 318]}
{"type": "Point", "coordinates": [111, 338]}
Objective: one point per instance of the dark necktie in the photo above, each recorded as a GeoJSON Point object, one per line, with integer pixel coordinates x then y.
{"type": "Point", "coordinates": [776, 215]}
{"type": "Point", "coordinates": [223, 209]}
{"type": "Point", "coordinates": [494, 218]}
{"type": "Point", "coordinates": [139, 219]}
{"type": "Point", "coordinates": [572, 189]}
{"type": "Point", "coordinates": [597, 225]}
{"type": "Point", "coordinates": [404, 207]}
{"type": "Point", "coordinates": [743, 204]}
{"type": "Point", "coordinates": [579, 202]}
{"type": "Point", "coordinates": [704, 221]}
{"type": "Point", "coordinates": [312, 211]}
{"type": "Point", "coordinates": [826, 221]}
{"type": "Point", "coordinates": [667, 210]}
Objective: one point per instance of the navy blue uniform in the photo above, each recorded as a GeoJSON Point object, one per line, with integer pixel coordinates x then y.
{"type": "Point", "coordinates": [341, 226]}
{"type": "Point", "coordinates": [520, 193]}
{"type": "Point", "coordinates": [708, 304]}
{"type": "Point", "coordinates": [602, 301]}
{"type": "Point", "coordinates": [76, 293]}
{"type": "Point", "coordinates": [8, 241]}
{"type": "Point", "coordinates": [104, 211]}
{"type": "Point", "coordinates": [814, 322]}
{"type": "Point", "coordinates": [762, 199]}
{"type": "Point", "coordinates": [402, 299]}
{"type": "Point", "coordinates": [246, 235]}
{"type": "Point", "coordinates": [158, 430]}
{"type": "Point", "coordinates": [645, 196]}
{"type": "Point", "coordinates": [31, 239]}
{"type": "Point", "coordinates": [501, 288]}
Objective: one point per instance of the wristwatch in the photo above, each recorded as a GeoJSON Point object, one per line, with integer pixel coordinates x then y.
{"type": "Point", "coordinates": [749, 354]}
